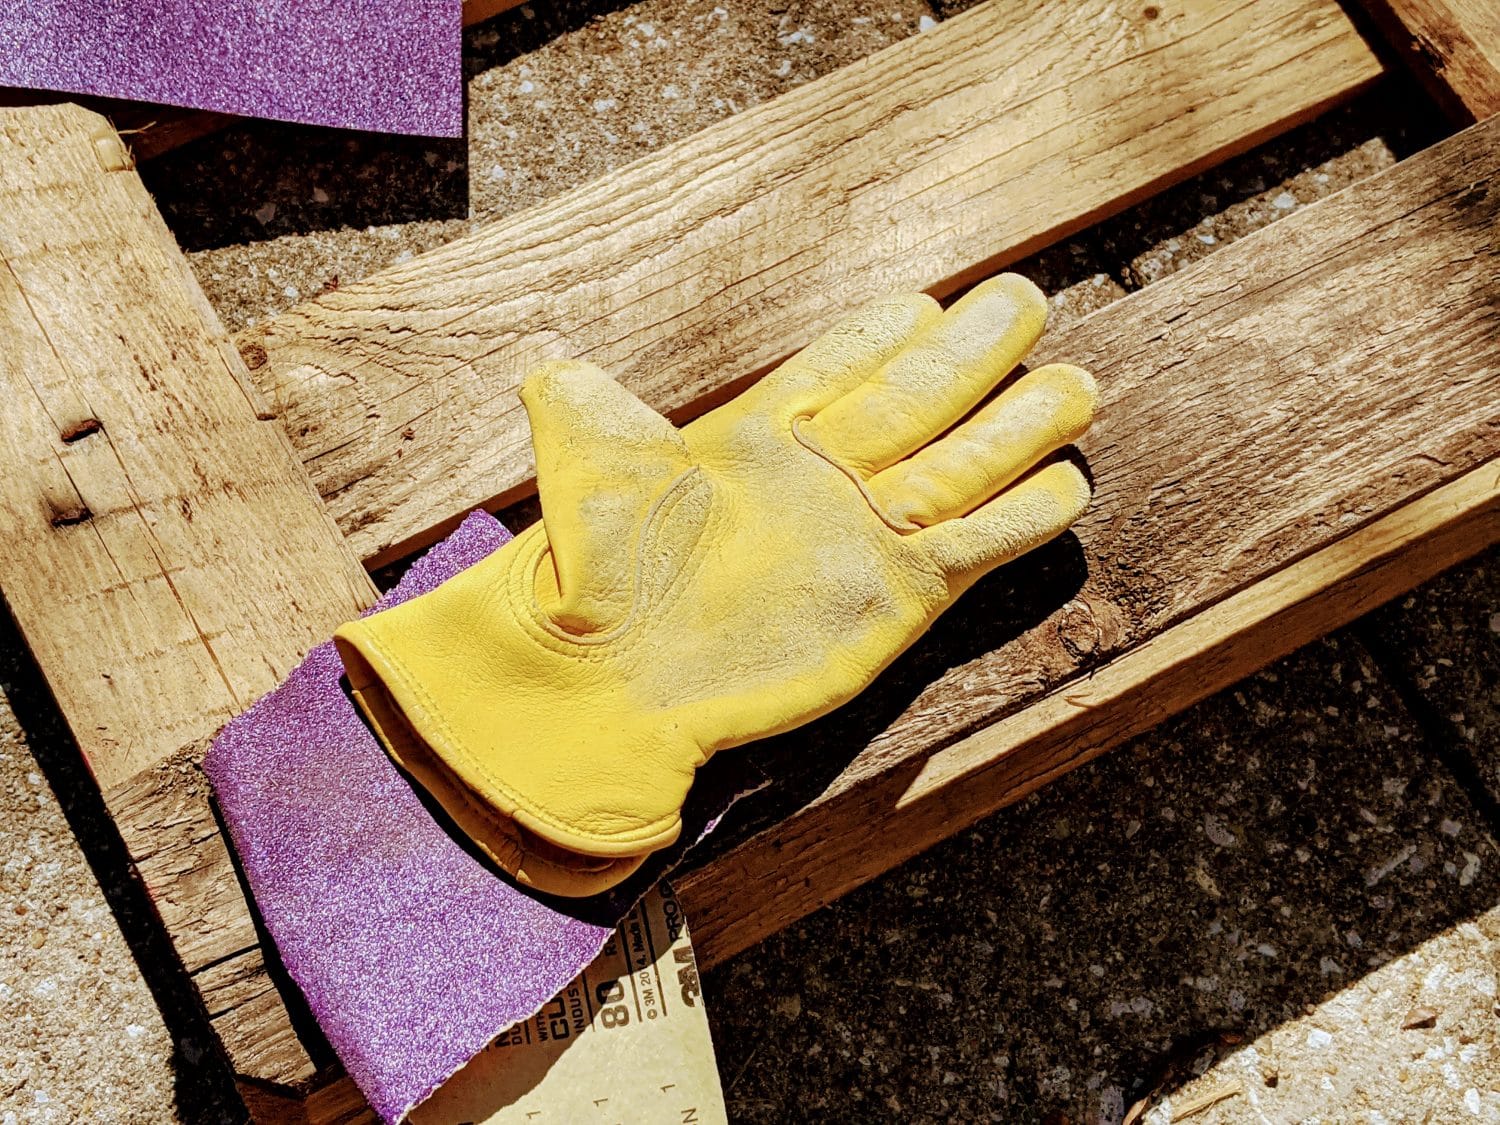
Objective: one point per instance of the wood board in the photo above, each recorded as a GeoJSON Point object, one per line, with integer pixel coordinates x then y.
{"type": "Point", "coordinates": [161, 549]}
{"type": "Point", "coordinates": [921, 167]}
{"type": "Point", "coordinates": [1297, 428]}
{"type": "Point", "coordinates": [1453, 46]}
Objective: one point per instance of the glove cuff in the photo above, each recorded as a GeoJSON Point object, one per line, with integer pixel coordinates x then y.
{"type": "Point", "coordinates": [524, 855]}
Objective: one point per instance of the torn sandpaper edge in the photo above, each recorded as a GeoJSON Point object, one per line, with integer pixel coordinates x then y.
{"type": "Point", "coordinates": [391, 66]}
{"type": "Point", "coordinates": [413, 954]}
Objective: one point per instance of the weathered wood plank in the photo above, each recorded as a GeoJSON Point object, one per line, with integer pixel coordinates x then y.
{"type": "Point", "coordinates": [161, 549]}
{"type": "Point", "coordinates": [788, 871]}
{"type": "Point", "coordinates": [923, 166]}
{"type": "Point", "coordinates": [1452, 45]}
{"type": "Point", "coordinates": [166, 818]}
{"type": "Point", "coordinates": [1303, 425]}
{"type": "Point", "coordinates": [259, 1038]}
{"type": "Point", "coordinates": [339, 1103]}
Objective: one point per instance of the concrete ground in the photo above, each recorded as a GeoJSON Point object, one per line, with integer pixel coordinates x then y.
{"type": "Point", "coordinates": [1284, 905]}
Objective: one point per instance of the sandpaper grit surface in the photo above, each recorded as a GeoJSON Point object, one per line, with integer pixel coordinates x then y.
{"type": "Point", "coordinates": [392, 66]}
{"type": "Point", "coordinates": [412, 954]}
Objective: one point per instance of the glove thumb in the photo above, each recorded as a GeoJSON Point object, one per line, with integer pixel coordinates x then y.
{"type": "Point", "coordinates": [603, 457]}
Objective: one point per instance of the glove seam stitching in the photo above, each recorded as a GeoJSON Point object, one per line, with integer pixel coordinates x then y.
{"type": "Point", "coordinates": [697, 559]}
{"type": "Point", "coordinates": [808, 442]}
{"type": "Point", "coordinates": [660, 511]}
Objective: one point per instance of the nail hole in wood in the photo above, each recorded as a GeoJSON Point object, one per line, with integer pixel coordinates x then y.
{"type": "Point", "coordinates": [71, 516]}
{"type": "Point", "coordinates": [82, 429]}
{"type": "Point", "coordinates": [254, 355]}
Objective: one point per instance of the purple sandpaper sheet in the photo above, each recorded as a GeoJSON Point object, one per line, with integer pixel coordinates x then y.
{"type": "Point", "coordinates": [393, 66]}
{"type": "Point", "coordinates": [412, 953]}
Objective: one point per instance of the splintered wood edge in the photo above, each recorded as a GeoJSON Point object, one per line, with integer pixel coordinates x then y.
{"type": "Point", "coordinates": [808, 861]}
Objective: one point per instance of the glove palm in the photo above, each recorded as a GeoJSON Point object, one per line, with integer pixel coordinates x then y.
{"type": "Point", "coordinates": [696, 589]}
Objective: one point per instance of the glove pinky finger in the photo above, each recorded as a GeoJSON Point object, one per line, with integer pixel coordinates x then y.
{"type": "Point", "coordinates": [1036, 509]}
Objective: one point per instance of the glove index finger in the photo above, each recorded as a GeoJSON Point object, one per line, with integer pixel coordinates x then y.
{"type": "Point", "coordinates": [931, 384]}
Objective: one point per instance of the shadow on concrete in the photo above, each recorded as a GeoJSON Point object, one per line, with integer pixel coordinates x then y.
{"type": "Point", "coordinates": [1192, 890]}
{"type": "Point", "coordinates": [205, 1087]}
{"type": "Point", "coordinates": [261, 179]}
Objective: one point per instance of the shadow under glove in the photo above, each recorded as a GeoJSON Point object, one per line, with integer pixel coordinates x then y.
{"type": "Point", "coordinates": [696, 589]}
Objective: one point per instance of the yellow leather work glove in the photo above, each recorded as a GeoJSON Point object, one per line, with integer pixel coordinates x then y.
{"type": "Point", "coordinates": [696, 589]}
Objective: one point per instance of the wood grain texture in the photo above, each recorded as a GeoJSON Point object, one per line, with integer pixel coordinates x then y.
{"type": "Point", "coordinates": [1298, 428]}
{"type": "Point", "coordinates": [339, 1103]}
{"type": "Point", "coordinates": [161, 549]}
{"type": "Point", "coordinates": [261, 1041]}
{"type": "Point", "coordinates": [166, 818]}
{"type": "Point", "coordinates": [923, 166]}
{"type": "Point", "coordinates": [1452, 45]}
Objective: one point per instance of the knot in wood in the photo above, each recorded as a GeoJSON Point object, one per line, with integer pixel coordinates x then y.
{"type": "Point", "coordinates": [1079, 630]}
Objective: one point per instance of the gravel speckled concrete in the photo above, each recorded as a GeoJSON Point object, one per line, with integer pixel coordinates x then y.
{"type": "Point", "coordinates": [1231, 878]}
{"type": "Point", "coordinates": [1412, 1041]}
{"type": "Point", "coordinates": [85, 974]}
{"type": "Point", "coordinates": [1445, 637]}
{"type": "Point", "coordinates": [1256, 899]}
{"type": "Point", "coordinates": [82, 1039]}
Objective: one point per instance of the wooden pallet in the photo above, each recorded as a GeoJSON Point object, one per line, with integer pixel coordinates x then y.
{"type": "Point", "coordinates": [1296, 429]}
